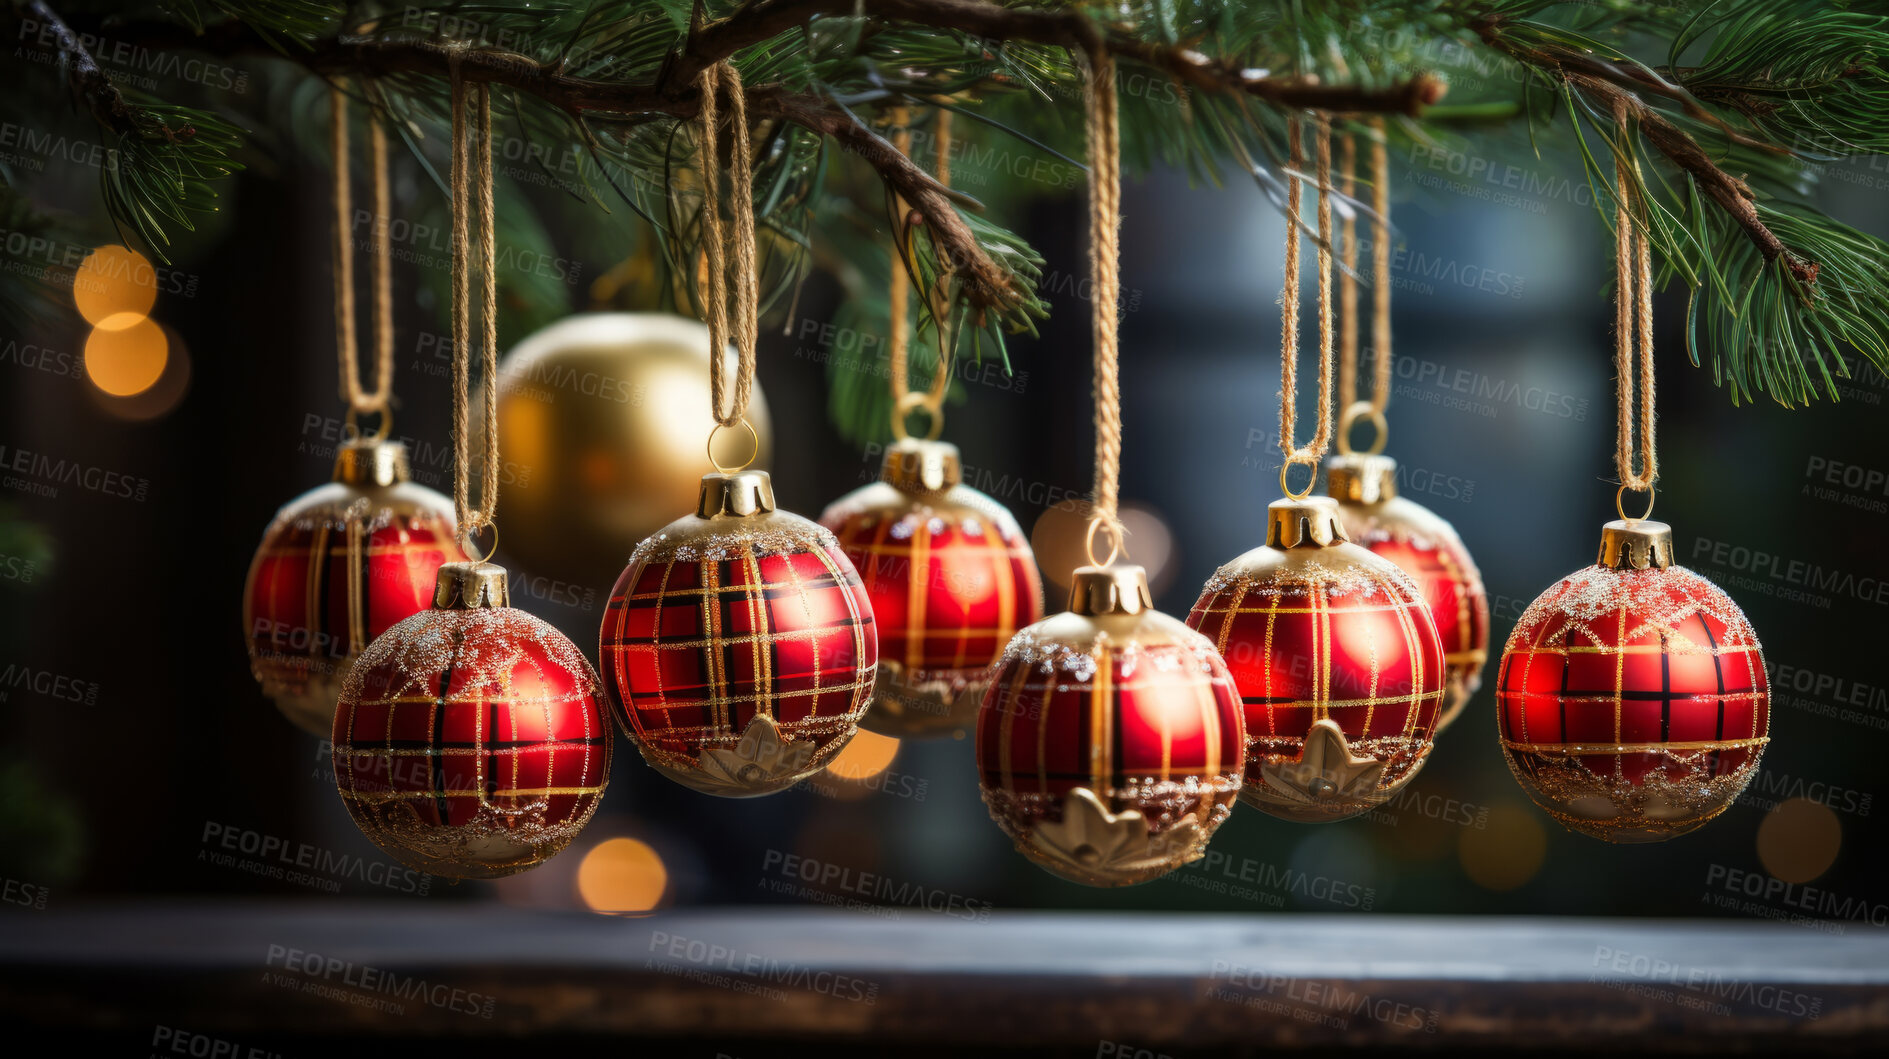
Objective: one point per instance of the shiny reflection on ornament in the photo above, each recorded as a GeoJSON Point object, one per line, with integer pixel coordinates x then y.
{"type": "Point", "coordinates": [113, 280]}
{"type": "Point", "coordinates": [1798, 840]}
{"type": "Point", "coordinates": [524, 422]}
{"type": "Point", "coordinates": [622, 876]}
{"type": "Point", "coordinates": [161, 397]}
{"type": "Point", "coordinates": [968, 585]}
{"type": "Point", "coordinates": [1379, 653]}
{"type": "Point", "coordinates": [126, 354]}
{"type": "Point", "coordinates": [1506, 853]}
{"type": "Point", "coordinates": [866, 756]}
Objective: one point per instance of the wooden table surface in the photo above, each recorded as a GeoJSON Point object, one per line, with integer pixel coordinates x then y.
{"type": "Point", "coordinates": [737, 982]}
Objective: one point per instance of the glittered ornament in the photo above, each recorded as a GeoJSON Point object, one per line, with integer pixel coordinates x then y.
{"type": "Point", "coordinates": [1426, 547]}
{"type": "Point", "coordinates": [951, 579]}
{"type": "Point", "coordinates": [337, 567]}
{"type": "Point", "coordinates": [471, 739]}
{"type": "Point", "coordinates": [1337, 661]}
{"type": "Point", "coordinates": [740, 644]}
{"type": "Point", "coordinates": [1632, 698]}
{"type": "Point", "coordinates": [1109, 744]}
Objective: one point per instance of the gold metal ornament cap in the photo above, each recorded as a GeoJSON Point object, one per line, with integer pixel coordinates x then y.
{"type": "Point", "coordinates": [917, 465]}
{"type": "Point", "coordinates": [1636, 544]}
{"type": "Point", "coordinates": [1099, 590]}
{"type": "Point", "coordinates": [470, 586]}
{"type": "Point", "coordinates": [365, 462]}
{"type": "Point", "coordinates": [736, 495]}
{"type": "Point", "coordinates": [1309, 523]}
{"type": "Point", "coordinates": [1356, 478]}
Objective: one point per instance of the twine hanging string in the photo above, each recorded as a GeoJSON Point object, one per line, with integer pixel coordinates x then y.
{"type": "Point", "coordinates": [472, 191]}
{"type": "Point", "coordinates": [1633, 311]}
{"type": "Point", "coordinates": [1371, 408]}
{"type": "Point", "coordinates": [729, 410]}
{"type": "Point", "coordinates": [1306, 455]}
{"type": "Point", "coordinates": [379, 400]}
{"type": "Point", "coordinates": [1348, 280]}
{"type": "Point", "coordinates": [904, 400]}
{"type": "Point", "coordinates": [1105, 222]}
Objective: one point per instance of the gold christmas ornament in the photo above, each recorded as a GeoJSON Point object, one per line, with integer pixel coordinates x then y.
{"type": "Point", "coordinates": [951, 579]}
{"type": "Point", "coordinates": [600, 414]}
{"type": "Point", "coordinates": [1426, 547]}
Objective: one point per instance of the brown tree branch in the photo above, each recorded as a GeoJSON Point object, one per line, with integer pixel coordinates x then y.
{"type": "Point", "coordinates": [1600, 82]}
{"type": "Point", "coordinates": [674, 91]}
{"type": "Point", "coordinates": [89, 82]}
{"type": "Point", "coordinates": [1058, 27]}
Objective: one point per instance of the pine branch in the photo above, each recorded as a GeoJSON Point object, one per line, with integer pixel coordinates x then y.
{"type": "Point", "coordinates": [985, 285]}
{"type": "Point", "coordinates": [1609, 85]}
{"type": "Point", "coordinates": [1067, 28]}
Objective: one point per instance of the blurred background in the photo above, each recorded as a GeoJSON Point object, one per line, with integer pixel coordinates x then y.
{"type": "Point", "coordinates": [134, 730]}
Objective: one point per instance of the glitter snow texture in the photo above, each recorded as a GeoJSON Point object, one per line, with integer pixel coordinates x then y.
{"type": "Point", "coordinates": [1633, 704]}
{"type": "Point", "coordinates": [472, 743]}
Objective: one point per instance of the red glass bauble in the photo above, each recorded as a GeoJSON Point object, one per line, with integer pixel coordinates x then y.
{"type": "Point", "coordinates": [740, 644]}
{"type": "Point", "coordinates": [1632, 698]}
{"type": "Point", "coordinates": [1336, 659]}
{"type": "Point", "coordinates": [471, 740]}
{"type": "Point", "coordinates": [340, 565]}
{"type": "Point", "coordinates": [1109, 743]}
{"type": "Point", "coordinates": [951, 578]}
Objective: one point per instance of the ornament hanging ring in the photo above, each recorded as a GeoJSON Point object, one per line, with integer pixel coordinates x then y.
{"type": "Point", "coordinates": [1114, 540]}
{"type": "Point", "coordinates": [1619, 507]}
{"type": "Point", "coordinates": [913, 402]}
{"type": "Point", "coordinates": [754, 449]}
{"type": "Point", "coordinates": [351, 426]}
{"type": "Point", "coordinates": [1372, 414]}
{"type": "Point", "coordinates": [1310, 463]}
{"type": "Point", "coordinates": [470, 536]}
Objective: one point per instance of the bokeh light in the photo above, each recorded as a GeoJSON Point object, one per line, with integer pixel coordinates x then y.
{"type": "Point", "coordinates": [125, 354]}
{"type": "Point", "coordinates": [622, 876]}
{"type": "Point", "coordinates": [161, 397]}
{"type": "Point", "coordinates": [1060, 535]}
{"type": "Point", "coordinates": [1799, 839]}
{"type": "Point", "coordinates": [114, 280]}
{"type": "Point", "coordinates": [867, 755]}
{"type": "Point", "coordinates": [1506, 853]}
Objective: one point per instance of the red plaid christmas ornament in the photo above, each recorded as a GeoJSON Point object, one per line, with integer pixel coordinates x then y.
{"type": "Point", "coordinates": [471, 739]}
{"type": "Point", "coordinates": [951, 578]}
{"type": "Point", "coordinates": [1426, 547]}
{"type": "Point", "coordinates": [340, 565]}
{"type": "Point", "coordinates": [1337, 661]}
{"type": "Point", "coordinates": [1109, 744]}
{"type": "Point", "coordinates": [740, 644]}
{"type": "Point", "coordinates": [1632, 698]}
